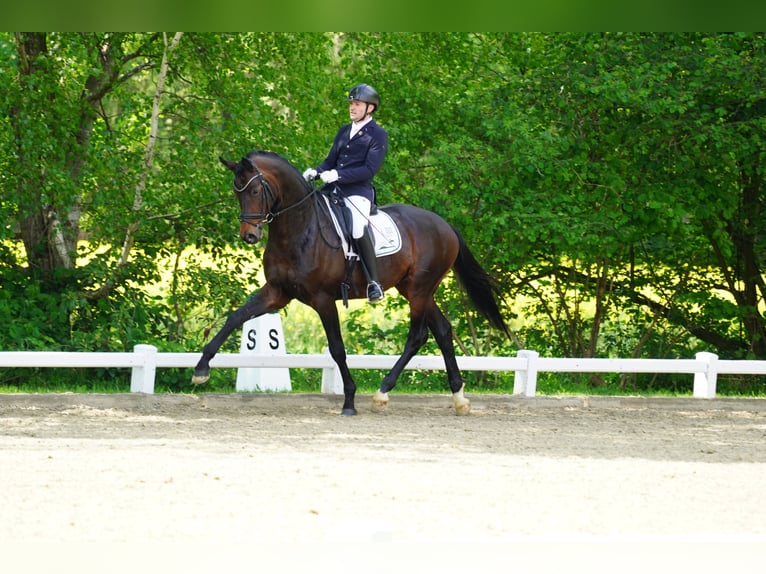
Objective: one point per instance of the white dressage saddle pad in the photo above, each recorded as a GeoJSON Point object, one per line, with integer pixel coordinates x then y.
{"type": "Point", "coordinates": [386, 234]}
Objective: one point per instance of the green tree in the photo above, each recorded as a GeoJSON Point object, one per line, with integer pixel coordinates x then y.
{"type": "Point", "coordinates": [115, 137]}
{"type": "Point", "coordinates": [607, 177]}
{"type": "Point", "coordinates": [611, 182]}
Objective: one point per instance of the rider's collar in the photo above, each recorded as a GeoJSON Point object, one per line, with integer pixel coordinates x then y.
{"type": "Point", "coordinates": [356, 126]}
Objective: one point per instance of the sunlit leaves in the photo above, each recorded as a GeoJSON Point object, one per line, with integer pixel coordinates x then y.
{"type": "Point", "coordinates": [613, 171]}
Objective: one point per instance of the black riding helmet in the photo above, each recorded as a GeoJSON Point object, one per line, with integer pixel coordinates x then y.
{"type": "Point", "coordinates": [365, 93]}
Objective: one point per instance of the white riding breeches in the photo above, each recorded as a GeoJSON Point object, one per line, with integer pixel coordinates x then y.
{"type": "Point", "coordinates": [360, 214]}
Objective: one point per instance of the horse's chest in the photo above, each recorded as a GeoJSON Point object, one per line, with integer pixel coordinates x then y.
{"type": "Point", "coordinates": [303, 269]}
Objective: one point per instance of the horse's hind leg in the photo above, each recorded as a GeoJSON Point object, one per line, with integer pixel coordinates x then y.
{"type": "Point", "coordinates": [434, 319]}
{"type": "Point", "coordinates": [417, 336]}
{"type": "Point", "coordinates": [442, 331]}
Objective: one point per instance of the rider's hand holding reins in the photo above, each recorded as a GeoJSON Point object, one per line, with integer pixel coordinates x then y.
{"type": "Point", "coordinates": [329, 176]}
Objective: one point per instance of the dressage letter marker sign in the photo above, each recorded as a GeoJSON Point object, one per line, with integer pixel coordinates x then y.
{"type": "Point", "coordinates": [263, 336]}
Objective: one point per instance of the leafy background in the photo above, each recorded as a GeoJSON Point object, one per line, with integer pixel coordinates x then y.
{"type": "Point", "coordinates": [611, 182]}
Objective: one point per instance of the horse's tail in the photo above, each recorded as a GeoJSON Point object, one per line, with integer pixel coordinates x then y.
{"type": "Point", "coordinates": [481, 288]}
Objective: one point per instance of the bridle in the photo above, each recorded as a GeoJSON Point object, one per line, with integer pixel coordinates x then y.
{"type": "Point", "coordinates": [267, 196]}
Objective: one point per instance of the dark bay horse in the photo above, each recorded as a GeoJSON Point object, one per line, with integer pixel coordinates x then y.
{"type": "Point", "coordinates": [303, 260]}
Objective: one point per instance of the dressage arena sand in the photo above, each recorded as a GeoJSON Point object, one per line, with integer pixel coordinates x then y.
{"type": "Point", "coordinates": [282, 483]}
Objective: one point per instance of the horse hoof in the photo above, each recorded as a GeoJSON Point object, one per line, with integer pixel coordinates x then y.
{"type": "Point", "coordinates": [348, 412]}
{"type": "Point", "coordinates": [379, 402]}
{"type": "Point", "coordinates": [200, 379]}
{"type": "Point", "coordinates": [463, 409]}
{"type": "Point", "coordinates": [462, 404]}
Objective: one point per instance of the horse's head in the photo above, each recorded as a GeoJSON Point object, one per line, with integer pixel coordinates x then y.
{"type": "Point", "coordinates": [255, 196]}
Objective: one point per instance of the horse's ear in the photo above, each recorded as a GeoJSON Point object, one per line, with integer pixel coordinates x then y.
{"type": "Point", "coordinates": [230, 164]}
{"type": "Point", "coordinates": [248, 162]}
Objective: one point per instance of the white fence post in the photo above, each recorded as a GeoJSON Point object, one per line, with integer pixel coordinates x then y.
{"type": "Point", "coordinates": [525, 382]}
{"type": "Point", "coordinates": [705, 383]}
{"type": "Point", "coordinates": [263, 336]}
{"type": "Point", "coordinates": [332, 383]}
{"type": "Point", "coordinates": [142, 376]}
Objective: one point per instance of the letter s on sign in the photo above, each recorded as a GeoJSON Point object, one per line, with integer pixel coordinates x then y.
{"type": "Point", "coordinates": [274, 338]}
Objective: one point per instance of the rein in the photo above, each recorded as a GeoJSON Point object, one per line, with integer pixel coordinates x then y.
{"type": "Point", "coordinates": [265, 216]}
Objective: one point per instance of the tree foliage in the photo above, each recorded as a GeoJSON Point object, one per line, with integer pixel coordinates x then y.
{"type": "Point", "coordinates": [611, 182]}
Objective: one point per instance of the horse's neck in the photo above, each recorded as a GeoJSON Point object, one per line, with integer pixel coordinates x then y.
{"type": "Point", "coordinates": [295, 210]}
{"type": "Point", "coordinates": [297, 213]}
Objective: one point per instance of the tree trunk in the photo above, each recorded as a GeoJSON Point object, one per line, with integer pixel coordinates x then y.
{"type": "Point", "coordinates": [41, 232]}
{"type": "Point", "coordinates": [138, 192]}
{"type": "Point", "coordinates": [50, 221]}
{"type": "Point", "coordinates": [744, 238]}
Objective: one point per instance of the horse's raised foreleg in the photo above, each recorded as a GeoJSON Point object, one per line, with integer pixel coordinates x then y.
{"type": "Point", "coordinates": [265, 300]}
{"type": "Point", "coordinates": [328, 313]}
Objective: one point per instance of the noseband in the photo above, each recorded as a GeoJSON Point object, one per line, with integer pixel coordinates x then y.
{"type": "Point", "coordinates": [266, 215]}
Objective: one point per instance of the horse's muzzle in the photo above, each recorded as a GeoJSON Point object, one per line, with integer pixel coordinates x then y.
{"type": "Point", "coordinates": [250, 234]}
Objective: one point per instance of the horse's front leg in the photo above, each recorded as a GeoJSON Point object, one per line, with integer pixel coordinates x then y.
{"type": "Point", "coordinates": [266, 300]}
{"type": "Point", "coordinates": [328, 313]}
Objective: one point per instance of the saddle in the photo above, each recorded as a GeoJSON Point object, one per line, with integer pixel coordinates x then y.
{"type": "Point", "coordinates": [343, 221]}
{"type": "Point", "coordinates": [342, 212]}
{"type": "Point", "coordinates": [386, 237]}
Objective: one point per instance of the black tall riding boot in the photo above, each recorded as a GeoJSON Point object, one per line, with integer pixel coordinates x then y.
{"type": "Point", "coordinates": [370, 264]}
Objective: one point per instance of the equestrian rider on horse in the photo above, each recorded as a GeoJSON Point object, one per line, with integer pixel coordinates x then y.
{"type": "Point", "coordinates": [356, 155]}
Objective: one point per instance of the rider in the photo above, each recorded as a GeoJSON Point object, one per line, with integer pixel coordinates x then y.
{"type": "Point", "coordinates": [356, 155]}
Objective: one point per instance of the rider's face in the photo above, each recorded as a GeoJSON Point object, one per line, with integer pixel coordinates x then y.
{"type": "Point", "coordinates": [357, 110]}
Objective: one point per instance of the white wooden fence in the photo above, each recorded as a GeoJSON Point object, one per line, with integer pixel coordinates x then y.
{"type": "Point", "coordinates": [145, 360]}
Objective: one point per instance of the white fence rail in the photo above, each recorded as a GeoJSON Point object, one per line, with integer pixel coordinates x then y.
{"type": "Point", "coordinates": [145, 360]}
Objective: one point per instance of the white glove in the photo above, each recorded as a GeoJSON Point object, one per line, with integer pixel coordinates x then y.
{"type": "Point", "coordinates": [329, 176]}
{"type": "Point", "coordinates": [310, 174]}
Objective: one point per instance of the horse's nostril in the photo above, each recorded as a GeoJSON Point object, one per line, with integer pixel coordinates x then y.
{"type": "Point", "coordinates": [250, 234]}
